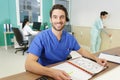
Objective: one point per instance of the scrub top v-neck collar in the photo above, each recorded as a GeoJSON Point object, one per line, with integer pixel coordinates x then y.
{"type": "Point", "coordinates": [55, 38]}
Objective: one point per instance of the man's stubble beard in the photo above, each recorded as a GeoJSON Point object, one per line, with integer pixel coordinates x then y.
{"type": "Point", "coordinates": [58, 29]}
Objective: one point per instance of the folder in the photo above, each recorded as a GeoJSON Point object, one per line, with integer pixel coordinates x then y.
{"type": "Point", "coordinates": [80, 68]}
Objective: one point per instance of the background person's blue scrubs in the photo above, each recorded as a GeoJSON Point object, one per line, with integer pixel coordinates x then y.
{"type": "Point", "coordinates": [96, 35]}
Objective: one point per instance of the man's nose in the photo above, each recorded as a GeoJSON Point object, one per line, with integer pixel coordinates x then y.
{"type": "Point", "coordinates": [58, 19]}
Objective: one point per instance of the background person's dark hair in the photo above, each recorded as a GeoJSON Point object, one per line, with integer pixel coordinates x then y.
{"type": "Point", "coordinates": [103, 13]}
{"type": "Point", "coordinates": [24, 22]}
{"type": "Point", "coordinates": [61, 7]}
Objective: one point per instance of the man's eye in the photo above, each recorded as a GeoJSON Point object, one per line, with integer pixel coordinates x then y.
{"type": "Point", "coordinates": [62, 17]}
{"type": "Point", "coordinates": [54, 17]}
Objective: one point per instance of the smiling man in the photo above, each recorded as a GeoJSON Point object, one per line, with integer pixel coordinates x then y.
{"type": "Point", "coordinates": [54, 45]}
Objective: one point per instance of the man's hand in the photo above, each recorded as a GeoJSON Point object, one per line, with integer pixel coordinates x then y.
{"type": "Point", "coordinates": [59, 75]}
{"type": "Point", "coordinates": [110, 35]}
{"type": "Point", "coordinates": [102, 62]}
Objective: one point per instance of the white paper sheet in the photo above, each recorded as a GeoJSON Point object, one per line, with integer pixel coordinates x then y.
{"type": "Point", "coordinates": [113, 74]}
{"type": "Point", "coordinates": [88, 65]}
{"type": "Point", "coordinates": [74, 72]}
{"type": "Point", "coordinates": [110, 57]}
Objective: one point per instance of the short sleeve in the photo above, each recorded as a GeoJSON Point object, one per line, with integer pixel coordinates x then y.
{"type": "Point", "coordinates": [76, 45]}
{"type": "Point", "coordinates": [36, 46]}
{"type": "Point", "coordinates": [73, 43]}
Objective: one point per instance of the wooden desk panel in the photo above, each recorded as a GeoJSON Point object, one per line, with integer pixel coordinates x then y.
{"type": "Point", "coordinates": [22, 76]}
{"type": "Point", "coordinates": [31, 76]}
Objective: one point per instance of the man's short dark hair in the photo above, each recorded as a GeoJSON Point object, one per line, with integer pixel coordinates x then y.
{"type": "Point", "coordinates": [61, 7]}
{"type": "Point", "coordinates": [103, 13]}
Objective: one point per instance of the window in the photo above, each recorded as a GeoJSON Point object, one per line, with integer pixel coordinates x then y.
{"type": "Point", "coordinates": [66, 3]}
{"type": "Point", "coordinates": [30, 9]}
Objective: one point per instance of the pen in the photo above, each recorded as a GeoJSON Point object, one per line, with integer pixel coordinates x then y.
{"type": "Point", "coordinates": [70, 72]}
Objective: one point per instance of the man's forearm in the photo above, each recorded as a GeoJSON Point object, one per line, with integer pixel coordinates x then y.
{"type": "Point", "coordinates": [37, 68]}
{"type": "Point", "coordinates": [87, 54]}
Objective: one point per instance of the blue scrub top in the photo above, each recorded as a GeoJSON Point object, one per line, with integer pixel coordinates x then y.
{"type": "Point", "coordinates": [51, 50]}
{"type": "Point", "coordinates": [97, 26]}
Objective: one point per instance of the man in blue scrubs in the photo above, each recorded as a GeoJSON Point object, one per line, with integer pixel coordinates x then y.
{"type": "Point", "coordinates": [54, 45]}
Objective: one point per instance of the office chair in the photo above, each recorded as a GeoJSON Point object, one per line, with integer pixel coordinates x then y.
{"type": "Point", "coordinates": [20, 40]}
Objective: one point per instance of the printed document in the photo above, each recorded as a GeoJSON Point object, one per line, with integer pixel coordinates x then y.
{"type": "Point", "coordinates": [110, 57]}
{"type": "Point", "coordinates": [80, 68]}
{"type": "Point", "coordinates": [74, 72]}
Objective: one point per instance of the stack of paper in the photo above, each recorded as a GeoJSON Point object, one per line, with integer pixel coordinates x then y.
{"type": "Point", "coordinates": [110, 57]}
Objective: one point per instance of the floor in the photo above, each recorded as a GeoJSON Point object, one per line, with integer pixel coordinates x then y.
{"type": "Point", "coordinates": [11, 63]}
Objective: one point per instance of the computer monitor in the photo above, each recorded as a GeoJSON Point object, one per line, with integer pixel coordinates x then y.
{"type": "Point", "coordinates": [67, 28]}
{"type": "Point", "coordinates": [36, 26]}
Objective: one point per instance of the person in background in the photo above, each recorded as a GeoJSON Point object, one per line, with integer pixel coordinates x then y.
{"type": "Point", "coordinates": [54, 45]}
{"type": "Point", "coordinates": [28, 33]}
{"type": "Point", "coordinates": [96, 32]}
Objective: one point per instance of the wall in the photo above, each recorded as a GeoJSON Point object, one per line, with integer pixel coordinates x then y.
{"type": "Point", "coordinates": [47, 4]}
{"type": "Point", "coordinates": [82, 34]}
{"type": "Point", "coordinates": [84, 12]}
{"type": "Point", "coordinates": [7, 15]}
{"type": "Point", "coordinates": [12, 13]}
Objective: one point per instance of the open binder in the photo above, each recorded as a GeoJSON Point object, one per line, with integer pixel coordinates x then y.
{"type": "Point", "coordinates": [80, 68]}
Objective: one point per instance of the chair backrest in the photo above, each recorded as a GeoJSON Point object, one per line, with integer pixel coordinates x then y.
{"type": "Point", "coordinates": [18, 35]}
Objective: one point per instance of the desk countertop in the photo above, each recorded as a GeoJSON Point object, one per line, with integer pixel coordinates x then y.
{"type": "Point", "coordinates": [31, 76]}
